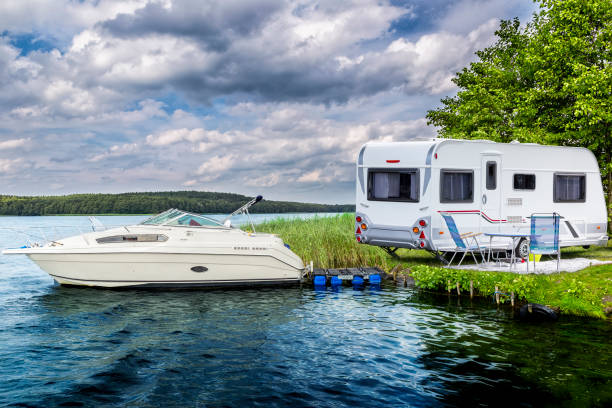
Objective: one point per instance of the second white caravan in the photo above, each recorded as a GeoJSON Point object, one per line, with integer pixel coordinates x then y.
{"type": "Point", "coordinates": [403, 187]}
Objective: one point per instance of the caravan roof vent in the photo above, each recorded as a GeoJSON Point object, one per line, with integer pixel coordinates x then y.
{"type": "Point", "coordinates": [515, 142]}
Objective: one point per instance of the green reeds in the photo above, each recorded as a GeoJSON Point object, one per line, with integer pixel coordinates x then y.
{"type": "Point", "coordinates": [328, 241]}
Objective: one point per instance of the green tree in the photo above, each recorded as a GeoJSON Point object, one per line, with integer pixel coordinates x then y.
{"type": "Point", "coordinates": [548, 82]}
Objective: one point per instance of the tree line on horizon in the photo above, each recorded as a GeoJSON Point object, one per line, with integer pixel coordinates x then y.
{"type": "Point", "coordinates": [152, 203]}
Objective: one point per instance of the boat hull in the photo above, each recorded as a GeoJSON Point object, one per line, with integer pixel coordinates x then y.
{"type": "Point", "coordinates": [116, 270]}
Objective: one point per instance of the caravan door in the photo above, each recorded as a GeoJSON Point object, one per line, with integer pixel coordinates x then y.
{"type": "Point", "coordinates": [491, 193]}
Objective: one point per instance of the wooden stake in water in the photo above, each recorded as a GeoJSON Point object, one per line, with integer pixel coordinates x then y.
{"type": "Point", "coordinates": [448, 286]}
{"type": "Point", "coordinates": [458, 290]}
{"type": "Point", "coordinates": [497, 295]}
{"type": "Point", "coordinates": [512, 298]}
{"type": "Point", "coordinates": [394, 271]}
{"type": "Point", "coordinates": [471, 289]}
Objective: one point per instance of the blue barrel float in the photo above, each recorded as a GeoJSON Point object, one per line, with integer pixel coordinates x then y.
{"type": "Point", "coordinates": [357, 277]}
{"type": "Point", "coordinates": [357, 281]}
{"type": "Point", "coordinates": [375, 279]}
{"type": "Point", "coordinates": [320, 280]}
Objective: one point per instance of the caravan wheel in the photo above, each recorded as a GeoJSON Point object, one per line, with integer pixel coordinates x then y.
{"type": "Point", "coordinates": [522, 249]}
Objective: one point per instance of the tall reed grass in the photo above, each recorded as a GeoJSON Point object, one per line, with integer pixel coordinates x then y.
{"type": "Point", "coordinates": [328, 241]}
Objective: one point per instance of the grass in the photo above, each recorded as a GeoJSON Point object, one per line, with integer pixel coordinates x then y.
{"type": "Point", "coordinates": [327, 241]}
{"type": "Point", "coordinates": [330, 243]}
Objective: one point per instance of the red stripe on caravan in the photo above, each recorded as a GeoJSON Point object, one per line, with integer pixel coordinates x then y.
{"type": "Point", "coordinates": [485, 216]}
{"type": "Point", "coordinates": [393, 161]}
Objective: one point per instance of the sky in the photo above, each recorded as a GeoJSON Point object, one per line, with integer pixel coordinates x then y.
{"type": "Point", "coordinates": [263, 97]}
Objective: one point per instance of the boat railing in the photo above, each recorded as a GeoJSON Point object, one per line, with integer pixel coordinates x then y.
{"type": "Point", "coordinates": [37, 236]}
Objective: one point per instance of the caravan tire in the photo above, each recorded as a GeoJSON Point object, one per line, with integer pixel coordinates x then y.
{"type": "Point", "coordinates": [522, 248]}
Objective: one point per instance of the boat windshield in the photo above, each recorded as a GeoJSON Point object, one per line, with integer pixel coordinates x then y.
{"type": "Point", "coordinates": [177, 217]}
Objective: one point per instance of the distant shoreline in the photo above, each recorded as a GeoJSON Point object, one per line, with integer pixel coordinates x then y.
{"type": "Point", "coordinates": [153, 203]}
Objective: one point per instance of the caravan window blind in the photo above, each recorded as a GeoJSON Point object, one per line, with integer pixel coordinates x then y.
{"type": "Point", "coordinates": [569, 188]}
{"type": "Point", "coordinates": [524, 182]}
{"type": "Point", "coordinates": [456, 186]}
{"type": "Point", "coordinates": [400, 185]}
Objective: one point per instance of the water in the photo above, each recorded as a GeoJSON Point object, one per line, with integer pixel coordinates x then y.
{"type": "Point", "coordinates": [287, 346]}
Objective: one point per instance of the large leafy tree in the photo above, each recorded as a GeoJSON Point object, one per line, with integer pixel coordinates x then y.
{"type": "Point", "coordinates": [548, 82]}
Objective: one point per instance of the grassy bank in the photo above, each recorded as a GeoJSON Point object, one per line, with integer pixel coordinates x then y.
{"type": "Point", "coordinates": [583, 293]}
{"type": "Point", "coordinates": [329, 242]}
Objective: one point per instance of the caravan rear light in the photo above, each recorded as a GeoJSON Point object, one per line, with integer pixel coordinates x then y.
{"type": "Point", "coordinates": [358, 231]}
{"type": "Point", "coordinates": [422, 236]}
{"type": "Point", "coordinates": [358, 219]}
{"type": "Point", "coordinates": [393, 161]}
{"type": "Point", "coordinates": [422, 223]}
{"type": "Point", "coordinates": [364, 227]}
{"type": "Point", "coordinates": [422, 244]}
{"type": "Point", "coordinates": [358, 238]}
{"type": "Point", "coordinates": [415, 230]}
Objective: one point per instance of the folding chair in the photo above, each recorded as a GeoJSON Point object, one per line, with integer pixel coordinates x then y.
{"type": "Point", "coordinates": [544, 236]}
{"type": "Point", "coordinates": [462, 241]}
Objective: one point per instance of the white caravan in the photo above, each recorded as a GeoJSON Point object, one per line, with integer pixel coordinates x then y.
{"type": "Point", "coordinates": [402, 188]}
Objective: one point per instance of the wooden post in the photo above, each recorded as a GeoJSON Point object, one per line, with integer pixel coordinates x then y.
{"type": "Point", "coordinates": [497, 295]}
{"type": "Point", "coordinates": [458, 290]}
{"type": "Point", "coordinates": [448, 286]}
{"type": "Point", "coordinates": [405, 281]}
{"type": "Point", "coordinates": [471, 289]}
{"type": "Point", "coordinates": [394, 271]}
{"type": "Point", "coordinates": [512, 298]}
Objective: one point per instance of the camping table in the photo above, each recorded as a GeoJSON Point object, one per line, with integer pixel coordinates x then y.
{"type": "Point", "coordinates": [515, 238]}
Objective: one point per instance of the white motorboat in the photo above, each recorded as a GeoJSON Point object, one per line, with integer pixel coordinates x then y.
{"type": "Point", "coordinates": [173, 249]}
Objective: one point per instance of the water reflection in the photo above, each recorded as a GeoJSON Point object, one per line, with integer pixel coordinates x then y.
{"type": "Point", "coordinates": [292, 346]}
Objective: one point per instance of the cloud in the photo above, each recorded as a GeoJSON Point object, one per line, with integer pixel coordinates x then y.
{"type": "Point", "coordinates": [267, 180]}
{"type": "Point", "coordinates": [286, 52]}
{"type": "Point", "coordinates": [215, 167]}
{"type": "Point", "coordinates": [14, 143]}
{"type": "Point", "coordinates": [211, 24]}
{"type": "Point", "coordinates": [9, 165]}
{"type": "Point", "coordinates": [116, 151]}
{"type": "Point", "coordinates": [311, 177]}
{"type": "Point", "coordinates": [176, 135]}
{"type": "Point", "coordinates": [466, 14]}
{"type": "Point", "coordinates": [60, 19]}
{"type": "Point", "coordinates": [282, 149]}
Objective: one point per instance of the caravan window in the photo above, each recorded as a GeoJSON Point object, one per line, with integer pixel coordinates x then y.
{"type": "Point", "coordinates": [524, 182]}
{"type": "Point", "coordinates": [569, 188]}
{"type": "Point", "coordinates": [400, 185]}
{"type": "Point", "coordinates": [456, 186]}
{"type": "Point", "coordinates": [491, 175]}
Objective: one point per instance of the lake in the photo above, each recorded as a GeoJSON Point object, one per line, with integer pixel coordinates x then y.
{"type": "Point", "coordinates": [392, 346]}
